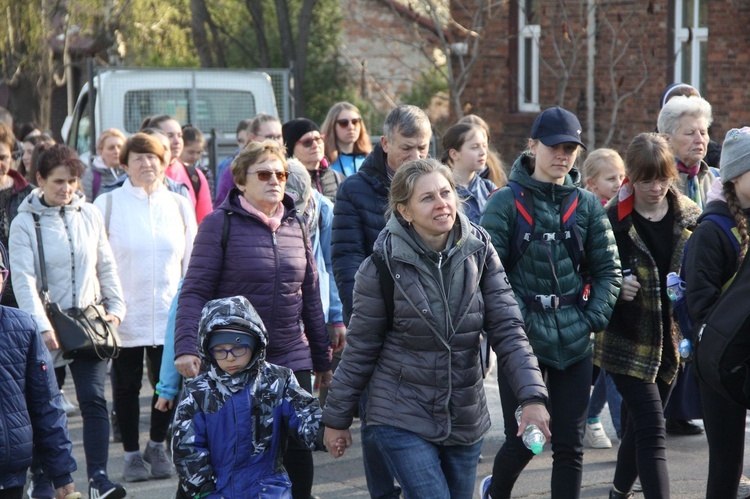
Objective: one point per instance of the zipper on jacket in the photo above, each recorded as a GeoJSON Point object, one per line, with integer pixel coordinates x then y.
{"type": "Point", "coordinates": [72, 257]}
{"type": "Point", "coordinates": [153, 270]}
{"type": "Point", "coordinates": [276, 273]}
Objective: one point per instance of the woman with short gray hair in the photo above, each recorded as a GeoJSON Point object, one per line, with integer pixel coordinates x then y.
{"type": "Point", "coordinates": [684, 121]}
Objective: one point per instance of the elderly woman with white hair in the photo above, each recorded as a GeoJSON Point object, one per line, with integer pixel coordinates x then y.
{"type": "Point", "coordinates": [684, 121]}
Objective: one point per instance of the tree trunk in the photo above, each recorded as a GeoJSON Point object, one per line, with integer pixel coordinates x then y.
{"type": "Point", "coordinates": [199, 18]}
{"type": "Point", "coordinates": [289, 54]}
{"type": "Point", "coordinates": [304, 25]}
{"type": "Point", "coordinates": [255, 7]}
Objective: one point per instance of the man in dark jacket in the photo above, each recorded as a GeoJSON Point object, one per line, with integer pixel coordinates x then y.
{"type": "Point", "coordinates": [358, 218]}
{"type": "Point", "coordinates": [361, 201]}
{"type": "Point", "coordinates": [31, 413]}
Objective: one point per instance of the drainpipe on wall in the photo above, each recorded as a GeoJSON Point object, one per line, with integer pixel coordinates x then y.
{"type": "Point", "coordinates": [590, 67]}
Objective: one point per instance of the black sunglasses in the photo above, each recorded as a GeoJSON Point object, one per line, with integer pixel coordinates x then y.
{"type": "Point", "coordinates": [343, 123]}
{"type": "Point", "coordinates": [265, 175]}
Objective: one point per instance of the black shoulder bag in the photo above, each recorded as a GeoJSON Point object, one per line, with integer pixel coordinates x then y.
{"type": "Point", "coordinates": [82, 333]}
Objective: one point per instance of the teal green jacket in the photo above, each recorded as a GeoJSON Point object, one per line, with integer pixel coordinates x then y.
{"type": "Point", "coordinates": [563, 336]}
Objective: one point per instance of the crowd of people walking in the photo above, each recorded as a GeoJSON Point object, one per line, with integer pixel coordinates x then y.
{"type": "Point", "coordinates": [314, 258]}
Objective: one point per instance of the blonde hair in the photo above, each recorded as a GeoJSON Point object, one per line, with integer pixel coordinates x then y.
{"type": "Point", "coordinates": [598, 159]}
{"type": "Point", "coordinates": [255, 152]}
{"type": "Point", "coordinates": [110, 132]}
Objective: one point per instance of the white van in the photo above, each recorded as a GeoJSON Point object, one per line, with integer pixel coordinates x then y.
{"type": "Point", "coordinates": [215, 99]}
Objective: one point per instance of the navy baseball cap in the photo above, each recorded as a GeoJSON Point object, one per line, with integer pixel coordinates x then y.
{"type": "Point", "coordinates": [555, 126]}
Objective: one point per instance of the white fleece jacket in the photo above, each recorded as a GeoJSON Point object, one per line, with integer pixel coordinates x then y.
{"type": "Point", "coordinates": [152, 238]}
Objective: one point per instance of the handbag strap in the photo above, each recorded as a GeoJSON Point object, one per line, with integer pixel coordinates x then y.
{"type": "Point", "coordinates": [42, 265]}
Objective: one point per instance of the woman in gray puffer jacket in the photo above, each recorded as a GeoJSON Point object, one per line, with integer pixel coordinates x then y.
{"type": "Point", "coordinates": [420, 358]}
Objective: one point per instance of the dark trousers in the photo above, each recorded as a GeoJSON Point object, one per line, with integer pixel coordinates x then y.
{"type": "Point", "coordinates": [298, 459]}
{"type": "Point", "coordinates": [89, 376]}
{"type": "Point", "coordinates": [14, 493]}
{"type": "Point", "coordinates": [725, 431]}
{"type": "Point", "coordinates": [568, 407]}
{"type": "Point", "coordinates": [128, 367]}
{"type": "Point", "coordinates": [643, 448]}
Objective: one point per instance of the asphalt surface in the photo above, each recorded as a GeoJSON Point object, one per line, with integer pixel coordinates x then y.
{"type": "Point", "coordinates": [344, 478]}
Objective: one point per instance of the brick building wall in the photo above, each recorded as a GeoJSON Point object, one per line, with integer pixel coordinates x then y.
{"type": "Point", "coordinates": [395, 56]}
{"type": "Point", "coordinates": [647, 30]}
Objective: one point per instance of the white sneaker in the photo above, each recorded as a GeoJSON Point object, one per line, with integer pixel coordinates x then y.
{"type": "Point", "coordinates": [595, 437]}
{"type": "Point", "coordinates": [743, 491]}
{"type": "Point", "coordinates": [67, 405]}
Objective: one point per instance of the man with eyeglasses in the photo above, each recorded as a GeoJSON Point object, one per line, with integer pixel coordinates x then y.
{"type": "Point", "coordinates": [358, 218]}
{"type": "Point", "coordinates": [262, 127]}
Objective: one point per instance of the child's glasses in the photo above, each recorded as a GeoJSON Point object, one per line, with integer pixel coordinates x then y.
{"type": "Point", "coordinates": [222, 354]}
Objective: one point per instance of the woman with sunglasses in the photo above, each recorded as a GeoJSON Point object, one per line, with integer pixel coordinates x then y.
{"type": "Point", "coordinates": [651, 221]}
{"type": "Point", "coordinates": [347, 142]}
{"type": "Point", "coordinates": [151, 231]}
{"type": "Point", "coordinates": [255, 245]}
{"type": "Point", "coordinates": [304, 142]}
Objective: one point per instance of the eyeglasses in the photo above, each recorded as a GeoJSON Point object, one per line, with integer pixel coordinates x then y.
{"type": "Point", "coordinates": [650, 185]}
{"type": "Point", "coordinates": [223, 354]}
{"type": "Point", "coordinates": [265, 175]}
{"type": "Point", "coordinates": [309, 142]}
{"type": "Point", "coordinates": [343, 123]}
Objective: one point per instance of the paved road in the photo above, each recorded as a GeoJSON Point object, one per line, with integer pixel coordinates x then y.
{"type": "Point", "coordinates": [344, 478]}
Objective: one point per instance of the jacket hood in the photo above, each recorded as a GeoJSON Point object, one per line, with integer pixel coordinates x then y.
{"type": "Point", "coordinates": [235, 312]}
{"type": "Point", "coordinates": [33, 203]}
{"type": "Point", "coordinates": [521, 173]}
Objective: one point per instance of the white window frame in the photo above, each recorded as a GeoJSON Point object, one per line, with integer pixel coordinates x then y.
{"type": "Point", "coordinates": [527, 32]}
{"type": "Point", "coordinates": [682, 35]}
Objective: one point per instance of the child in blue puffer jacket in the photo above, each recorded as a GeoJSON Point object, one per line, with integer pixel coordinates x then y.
{"type": "Point", "coordinates": [232, 421]}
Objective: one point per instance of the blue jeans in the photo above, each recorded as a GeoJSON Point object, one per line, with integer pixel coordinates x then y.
{"type": "Point", "coordinates": [426, 469]}
{"type": "Point", "coordinates": [379, 477]}
{"type": "Point", "coordinates": [606, 391]}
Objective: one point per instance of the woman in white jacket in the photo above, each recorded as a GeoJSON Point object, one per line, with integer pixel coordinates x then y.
{"type": "Point", "coordinates": [151, 231]}
{"type": "Point", "coordinates": [80, 271]}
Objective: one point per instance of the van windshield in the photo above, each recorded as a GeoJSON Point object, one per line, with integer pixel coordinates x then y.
{"type": "Point", "coordinates": [219, 109]}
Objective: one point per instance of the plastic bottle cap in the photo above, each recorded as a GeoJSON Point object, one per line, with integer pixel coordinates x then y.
{"type": "Point", "coordinates": [537, 448]}
{"type": "Point", "coordinates": [673, 279]}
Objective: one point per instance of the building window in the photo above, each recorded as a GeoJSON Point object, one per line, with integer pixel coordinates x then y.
{"type": "Point", "coordinates": [691, 42]}
{"type": "Point", "coordinates": [529, 32]}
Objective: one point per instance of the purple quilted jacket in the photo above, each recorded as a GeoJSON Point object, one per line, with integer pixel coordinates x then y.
{"type": "Point", "coordinates": [274, 271]}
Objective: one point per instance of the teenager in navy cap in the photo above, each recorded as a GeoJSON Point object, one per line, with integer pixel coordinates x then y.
{"type": "Point", "coordinates": [559, 253]}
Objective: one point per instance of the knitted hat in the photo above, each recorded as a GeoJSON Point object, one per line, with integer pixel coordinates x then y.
{"type": "Point", "coordinates": [735, 154]}
{"type": "Point", "coordinates": [293, 130]}
{"type": "Point", "coordinates": [556, 126]}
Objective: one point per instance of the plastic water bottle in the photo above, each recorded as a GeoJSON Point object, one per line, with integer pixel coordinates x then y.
{"type": "Point", "coordinates": [675, 286]}
{"type": "Point", "coordinates": [532, 437]}
{"type": "Point", "coordinates": [685, 348]}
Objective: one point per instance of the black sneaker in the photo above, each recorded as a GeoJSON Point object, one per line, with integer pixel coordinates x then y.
{"type": "Point", "coordinates": [682, 427]}
{"type": "Point", "coordinates": [100, 487]}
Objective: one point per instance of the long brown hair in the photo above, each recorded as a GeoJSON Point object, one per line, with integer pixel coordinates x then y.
{"type": "Point", "coordinates": [362, 145]}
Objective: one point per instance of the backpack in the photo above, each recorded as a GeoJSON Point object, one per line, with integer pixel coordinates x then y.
{"type": "Point", "coordinates": [680, 307]}
{"type": "Point", "coordinates": [569, 235]}
{"type": "Point", "coordinates": [722, 349]}
{"type": "Point", "coordinates": [195, 180]}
